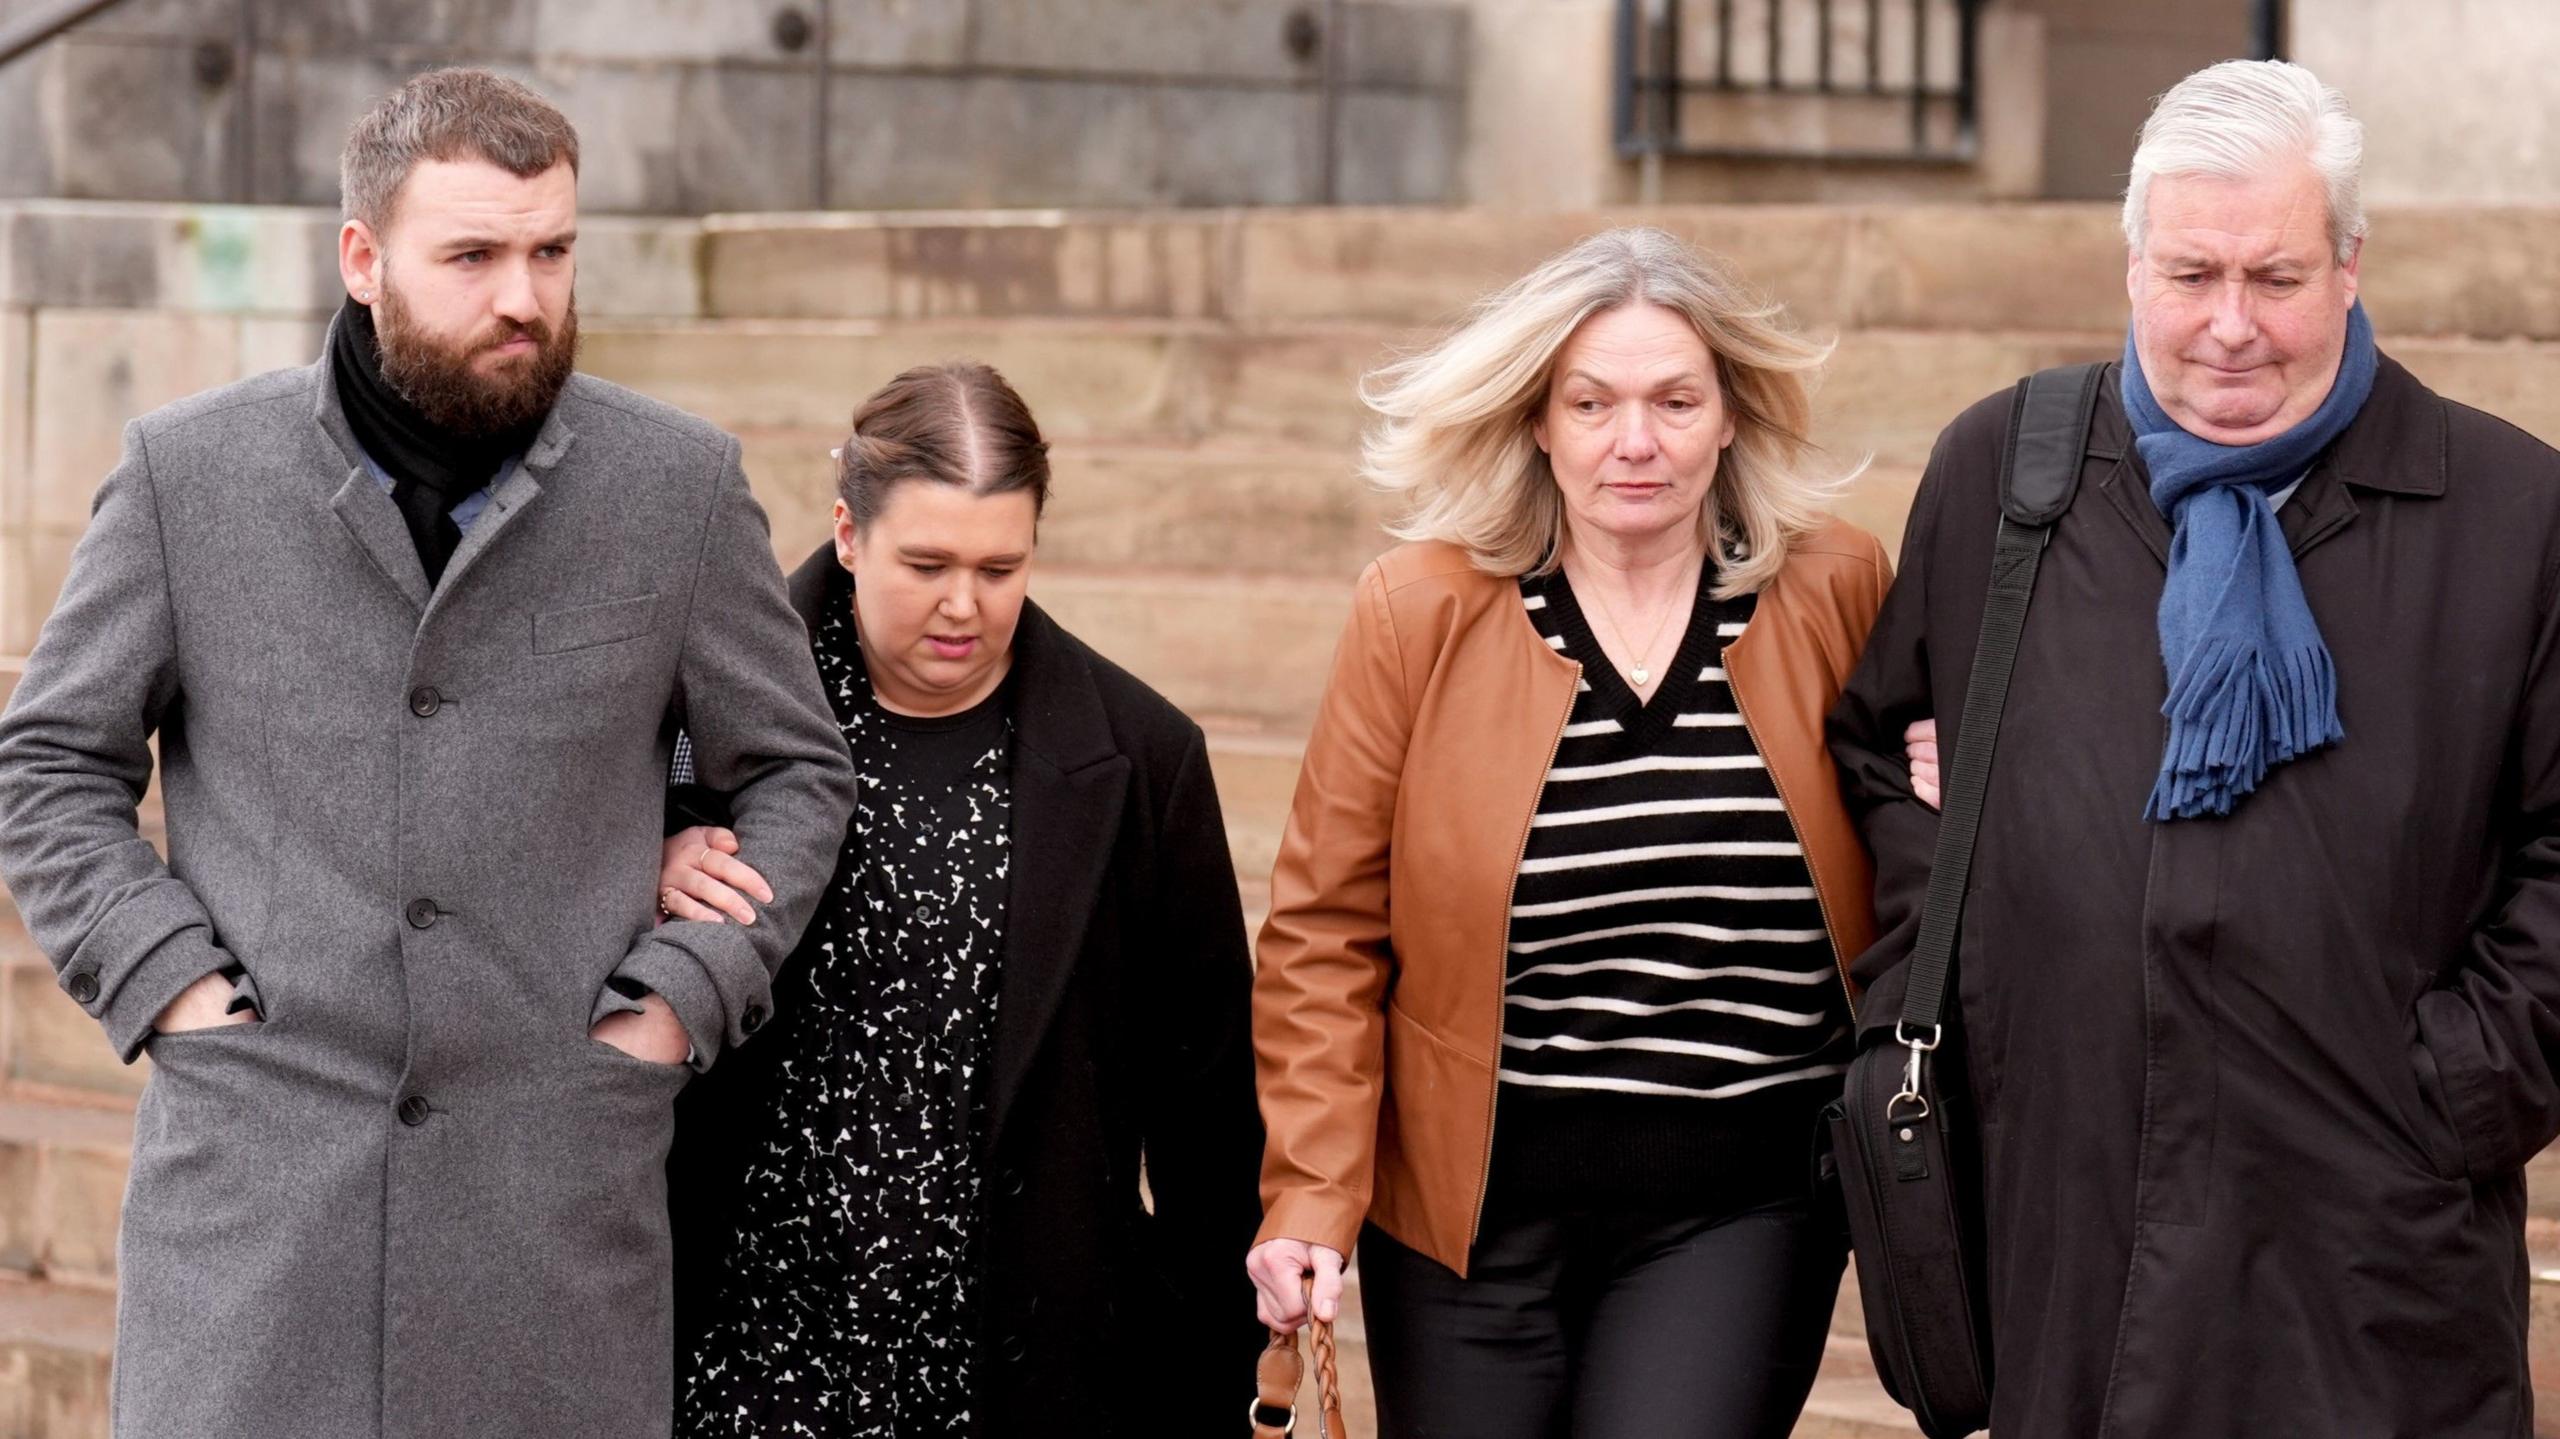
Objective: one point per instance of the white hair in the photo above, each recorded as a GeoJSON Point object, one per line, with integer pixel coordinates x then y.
{"type": "Point", "coordinates": [2242, 119]}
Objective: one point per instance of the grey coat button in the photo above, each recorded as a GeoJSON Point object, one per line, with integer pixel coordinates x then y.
{"type": "Point", "coordinates": [414, 1110]}
{"type": "Point", "coordinates": [424, 701]}
{"type": "Point", "coordinates": [752, 1020]}
{"type": "Point", "coordinates": [422, 914]}
{"type": "Point", "coordinates": [83, 986]}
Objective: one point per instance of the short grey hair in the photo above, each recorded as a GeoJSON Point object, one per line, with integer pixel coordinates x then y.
{"type": "Point", "coordinates": [451, 114]}
{"type": "Point", "coordinates": [2243, 118]}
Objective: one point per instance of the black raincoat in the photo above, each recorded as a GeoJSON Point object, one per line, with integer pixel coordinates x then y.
{"type": "Point", "coordinates": [2256, 1092]}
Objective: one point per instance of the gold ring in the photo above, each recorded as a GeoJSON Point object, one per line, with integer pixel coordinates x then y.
{"type": "Point", "coordinates": [666, 901]}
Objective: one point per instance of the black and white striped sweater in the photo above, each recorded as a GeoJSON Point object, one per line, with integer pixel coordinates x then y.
{"type": "Point", "coordinates": [1672, 1018]}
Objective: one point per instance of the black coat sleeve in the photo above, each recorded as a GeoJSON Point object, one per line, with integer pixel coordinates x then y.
{"type": "Point", "coordinates": [2490, 1028]}
{"type": "Point", "coordinates": [1202, 1129]}
{"type": "Point", "coordinates": [1893, 686]}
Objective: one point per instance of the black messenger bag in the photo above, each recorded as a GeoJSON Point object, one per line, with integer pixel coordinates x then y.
{"type": "Point", "coordinates": [1904, 1147]}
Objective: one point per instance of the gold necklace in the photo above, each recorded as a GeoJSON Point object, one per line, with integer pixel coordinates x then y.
{"type": "Point", "coordinates": [1642, 673]}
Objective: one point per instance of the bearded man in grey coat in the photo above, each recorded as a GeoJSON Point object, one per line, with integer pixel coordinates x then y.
{"type": "Point", "coordinates": [416, 628]}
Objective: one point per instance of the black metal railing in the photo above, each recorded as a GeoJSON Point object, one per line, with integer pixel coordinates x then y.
{"type": "Point", "coordinates": [1798, 79]}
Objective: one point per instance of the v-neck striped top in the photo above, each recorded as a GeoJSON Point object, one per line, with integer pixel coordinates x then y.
{"type": "Point", "coordinates": [1671, 1001]}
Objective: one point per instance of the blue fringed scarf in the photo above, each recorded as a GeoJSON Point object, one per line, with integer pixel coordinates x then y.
{"type": "Point", "coordinates": [2251, 684]}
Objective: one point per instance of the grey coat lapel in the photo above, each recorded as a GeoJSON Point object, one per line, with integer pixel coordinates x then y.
{"type": "Point", "coordinates": [374, 520]}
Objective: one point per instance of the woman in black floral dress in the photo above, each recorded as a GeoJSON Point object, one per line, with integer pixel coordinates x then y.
{"type": "Point", "coordinates": [912, 1205]}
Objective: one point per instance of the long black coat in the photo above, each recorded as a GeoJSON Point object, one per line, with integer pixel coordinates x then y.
{"type": "Point", "coordinates": [2256, 1092]}
{"type": "Point", "coordinates": [1122, 1037]}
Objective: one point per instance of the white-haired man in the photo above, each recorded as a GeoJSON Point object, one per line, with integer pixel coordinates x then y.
{"type": "Point", "coordinates": [2260, 1005]}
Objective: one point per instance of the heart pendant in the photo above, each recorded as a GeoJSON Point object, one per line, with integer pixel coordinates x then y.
{"type": "Point", "coordinates": [1643, 676]}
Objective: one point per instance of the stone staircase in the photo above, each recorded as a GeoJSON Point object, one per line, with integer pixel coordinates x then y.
{"type": "Point", "coordinates": [1194, 372]}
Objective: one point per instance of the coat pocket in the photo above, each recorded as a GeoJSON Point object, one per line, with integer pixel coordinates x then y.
{"type": "Point", "coordinates": [586, 626]}
{"type": "Point", "coordinates": [2437, 1136]}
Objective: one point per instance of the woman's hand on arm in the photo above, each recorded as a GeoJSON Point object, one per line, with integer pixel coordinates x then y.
{"type": "Point", "coordinates": [700, 877]}
{"type": "Point", "coordinates": [1920, 747]}
{"type": "Point", "coordinates": [1278, 1268]}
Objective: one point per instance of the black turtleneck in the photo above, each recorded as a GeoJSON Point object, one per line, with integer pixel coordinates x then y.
{"type": "Point", "coordinates": [432, 469]}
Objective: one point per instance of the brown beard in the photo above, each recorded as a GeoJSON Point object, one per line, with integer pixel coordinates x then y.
{"type": "Point", "coordinates": [440, 380]}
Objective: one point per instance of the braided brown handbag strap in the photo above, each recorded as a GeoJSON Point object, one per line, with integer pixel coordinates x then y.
{"type": "Point", "coordinates": [1282, 1371]}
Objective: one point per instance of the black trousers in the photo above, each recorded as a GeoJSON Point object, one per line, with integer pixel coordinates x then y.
{"type": "Point", "coordinates": [1603, 1324]}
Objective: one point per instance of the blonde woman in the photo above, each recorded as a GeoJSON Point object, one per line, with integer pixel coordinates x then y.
{"type": "Point", "coordinates": [1552, 987]}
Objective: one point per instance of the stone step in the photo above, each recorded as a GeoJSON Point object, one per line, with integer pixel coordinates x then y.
{"type": "Point", "coordinates": [2487, 272]}
{"type": "Point", "coordinates": [62, 1178]}
{"type": "Point", "coordinates": [1887, 393]}
{"type": "Point", "coordinates": [1256, 774]}
{"type": "Point", "coordinates": [1248, 650]}
{"type": "Point", "coordinates": [49, 1046]}
{"type": "Point", "coordinates": [55, 1345]}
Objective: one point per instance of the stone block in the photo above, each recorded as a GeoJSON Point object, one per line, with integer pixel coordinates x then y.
{"type": "Point", "coordinates": [17, 415]}
{"type": "Point", "coordinates": [1180, 633]}
{"type": "Point", "coordinates": [1427, 266]}
{"type": "Point", "coordinates": [54, 1347]}
{"type": "Point", "coordinates": [279, 344]}
{"type": "Point", "coordinates": [131, 120]}
{"type": "Point", "coordinates": [1402, 46]}
{"type": "Point", "coordinates": [460, 31]}
{"type": "Point", "coordinates": [32, 566]}
{"type": "Point", "coordinates": [1988, 267]}
{"type": "Point", "coordinates": [96, 369]}
{"type": "Point", "coordinates": [1001, 265]}
{"type": "Point", "coordinates": [21, 1179]}
{"type": "Point", "coordinates": [116, 255]}
{"type": "Point", "coordinates": [832, 267]}
{"type": "Point", "coordinates": [972, 142]}
{"type": "Point", "coordinates": [924, 34]}
{"type": "Point", "coordinates": [1256, 776]}
{"type": "Point", "coordinates": [1880, 502]}
{"type": "Point", "coordinates": [631, 268]}
{"type": "Point", "coordinates": [1298, 389]}
{"type": "Point", "coordinates": [26, 167]}
{"type": "Point", "coordinates": [1414, 267]}
{"type": "Point", "coordinates": [163, 20]}
{"type": "Point", "coordinates": [81, 1198]}
{"type": "Point", "coordinates": [2518, 383]}
{"type": "Point", "coordinates": [663, 31]}
{"type": "Point", "coordinates": [53, 1042]}
{"type": "Point", "coordinates": [795, 480]}
{"type": "Point", "coordinates": [1394, 148]}
{"type": "Point", "coordinates": [308, 96]}
{"type": "Point", "coordinates": [747, 140]}
{"type": "Point", "coordinates": [1235, 40]}
{"type": "Point", "coordinates": [1212, 510]}
{"type": "Point", "coordinates": [1887, 394]}
{"type": "Point", "coordinates": [1081, 384]}
{"type": "Point", "coordinates": [1239, 146]}
{"type": "Point", "coordinates": [2488, 272]}
{"type": "Point", "coordinates": [631, 155]}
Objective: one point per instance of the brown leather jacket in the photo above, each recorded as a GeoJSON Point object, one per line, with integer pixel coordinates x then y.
{"type": "Point", "coordinates": [1377, 1007]}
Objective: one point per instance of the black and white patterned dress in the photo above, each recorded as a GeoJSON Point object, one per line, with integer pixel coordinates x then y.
{"type": "Point", "coordinates": [846, 1307]}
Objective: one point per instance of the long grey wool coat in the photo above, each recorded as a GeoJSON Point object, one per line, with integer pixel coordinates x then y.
{"type": "Point", "coordinates": [2256, 1093]}
{"type": "Point", "coordinates": [418, 1201]}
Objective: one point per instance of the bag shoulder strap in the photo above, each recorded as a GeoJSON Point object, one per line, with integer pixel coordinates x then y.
{"type": "Point", "coordinates": [2039, 476]}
